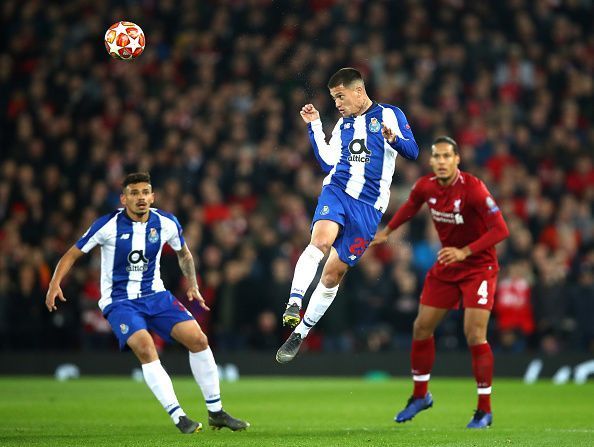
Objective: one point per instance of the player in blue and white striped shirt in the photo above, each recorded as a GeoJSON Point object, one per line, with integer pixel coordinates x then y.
{"type": "Point", "coordinates": [134, 299]}
{"type": "Point", "coordinates": [360, 160]}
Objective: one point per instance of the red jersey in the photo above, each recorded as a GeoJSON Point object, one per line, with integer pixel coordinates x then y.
{"type": "Point", "coordinates": [464, 213]}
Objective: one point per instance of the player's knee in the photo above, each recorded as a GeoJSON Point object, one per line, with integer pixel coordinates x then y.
{"type": "Point", "coordinates": [475, 336]}
{"type": "Point", "coordinates": [198, 343]}
{"type": "Point", "coordinates": [421, 330]}
{"type": "Point", "coordinates": [322, 244]}
{"type": "Point", "coordinates": [331, 279]}
{"type": "Point", "coordinates": [145, 351]}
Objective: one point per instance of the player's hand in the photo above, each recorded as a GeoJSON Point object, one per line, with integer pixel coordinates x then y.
{"type": "Point", "coordinates": [388, 133]}
{"type": "Point", "coordinates": [50, 299]}
{"type": "Point", "coordinates": [309, 113]}
{"type": "Point", "coordinates": [381, 237]}
{"type": "Point", "coordinates": [449, 255]}
{"type": "Point", "coordinates": [194, 294]}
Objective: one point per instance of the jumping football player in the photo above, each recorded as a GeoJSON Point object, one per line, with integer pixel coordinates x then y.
{"type": "Point", "coordinates": [359, 159]}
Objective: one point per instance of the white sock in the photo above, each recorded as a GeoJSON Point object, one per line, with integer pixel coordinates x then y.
{"type": "Point", "coordinates": [319, 302]}
{"type": "Point", "coordinates": [305, 270]}
{"type": "Point", "coordinates": [206, 375]}
{"type": "Point", "coordinates": [160, 384]}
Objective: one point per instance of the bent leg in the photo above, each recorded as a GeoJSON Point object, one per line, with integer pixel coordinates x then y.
{"type": "Point", "coordinates": [324, 234]}
{"type": "Point", "coordinates": [154, 374]}
{"type": "Point", "coordinates": [324, 294]}
{"type": "Point", "coordinates": [202, 362]}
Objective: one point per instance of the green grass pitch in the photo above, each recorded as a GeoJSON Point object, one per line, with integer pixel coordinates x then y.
{"type": "Point", "coordinates": [292, 412]}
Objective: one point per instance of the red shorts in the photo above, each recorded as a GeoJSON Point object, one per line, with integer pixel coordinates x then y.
{"type": "Point", "coordinates": [477, 290]}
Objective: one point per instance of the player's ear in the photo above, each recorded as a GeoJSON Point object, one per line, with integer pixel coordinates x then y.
{"type": "Point", "coordinates": [123, 199]}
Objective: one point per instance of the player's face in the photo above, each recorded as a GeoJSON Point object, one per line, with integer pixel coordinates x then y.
{"type": "Point", "coordinates": [444, 161]}
{"type": "Point", "coordinates": [137, 198]}
{"type": "Point", "coordinates": [348, 101]}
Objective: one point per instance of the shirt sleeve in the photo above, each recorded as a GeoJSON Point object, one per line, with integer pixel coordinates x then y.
{"type": "Point", "coordinates": [93, 236]}
{"type": "Point", "coordinates": [485, 205]}
{"type": "Point", "coordinates": [327, 154]}
{"type": "Point", "coordinates": [409, 208]}
{"type": "Point", "coordinates": [176, 238]}
{"type": "Point", "coordinates": [404, 143]}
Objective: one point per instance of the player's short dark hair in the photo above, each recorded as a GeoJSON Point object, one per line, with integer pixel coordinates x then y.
{"type": "Point", "coordinates": [136, 177]}
{"type": "Point", "coordinates": [448, 140]}
{"type": "Point", "coordinates": [345, 76]}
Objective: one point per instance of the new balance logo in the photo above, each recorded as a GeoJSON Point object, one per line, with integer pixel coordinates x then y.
{"type": "Point", "coordinates": [125, 236]}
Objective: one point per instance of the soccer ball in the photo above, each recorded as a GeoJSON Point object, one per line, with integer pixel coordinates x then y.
{"type": "Point", "coordinates": [124, 40]}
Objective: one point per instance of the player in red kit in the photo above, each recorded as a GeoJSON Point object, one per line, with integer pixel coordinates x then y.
{"type": "Point", "coordinates": [469, 225]}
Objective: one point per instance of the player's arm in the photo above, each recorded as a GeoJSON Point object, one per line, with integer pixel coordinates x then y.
{"type": "Point", "coordinates": [398, 134]}
{"type": "Point", "coordinates": [64, 265]}
{"type": "Point", "coordinates": [327, 154]}
{"type": "Point", "coordinates": [186, 264]}
{"type": "Point", "coordinates": [496, 229]}
{"type": "Point", "coordinates": [406, 212]}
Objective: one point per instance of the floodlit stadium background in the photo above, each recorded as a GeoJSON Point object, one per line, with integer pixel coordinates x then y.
{"type": "Point", "coordinates": [211, 110]}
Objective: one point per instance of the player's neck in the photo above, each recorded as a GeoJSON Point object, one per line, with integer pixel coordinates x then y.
{"type": "Point", "coordinates": [365, 107]}
{"type": "Point", "coordinates": [448, 181]}
{"type": "Point", "coordinates": [137, 217]}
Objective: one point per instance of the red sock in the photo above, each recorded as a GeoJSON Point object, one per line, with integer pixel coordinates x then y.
{"type": "Point", "coordinates": [422, 356]}
{"type": "Point", "coordinates": [482, 367]}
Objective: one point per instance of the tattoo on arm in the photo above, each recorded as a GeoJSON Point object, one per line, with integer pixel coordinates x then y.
{"type": "Point", "coordinates": [186, 264]}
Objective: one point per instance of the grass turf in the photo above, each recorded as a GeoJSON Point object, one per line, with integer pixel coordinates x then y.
{"type": "Point", "coordinates": [292, 412]}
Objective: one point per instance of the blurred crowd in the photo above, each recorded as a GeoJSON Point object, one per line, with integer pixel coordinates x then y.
{"type": "Point", "coordinates": [211, 110]}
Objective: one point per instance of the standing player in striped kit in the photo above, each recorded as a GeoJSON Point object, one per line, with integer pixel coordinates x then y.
{"type": "Point", "coordinates": [359, 160]}
{"type": "Point", "coordinates": [469, 224]}
{"type": "Point", "coordinates": [134, 299]}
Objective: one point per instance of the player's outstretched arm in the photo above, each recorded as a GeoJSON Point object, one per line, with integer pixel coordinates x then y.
{"type": "Point", "coordinates": [186, 264]}
{"type": "Point", "coordinates": [64, 265]}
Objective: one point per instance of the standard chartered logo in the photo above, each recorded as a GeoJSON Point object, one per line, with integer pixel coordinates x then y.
{"type": "Point", "coordinates": [137, 262]}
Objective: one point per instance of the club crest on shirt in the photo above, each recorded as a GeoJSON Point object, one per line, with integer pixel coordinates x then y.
{"type": "Point", "coordinates": [457, 205]}
{"type": "Point", "coordinates": [124, 328]}
{"type": "Point", "coordinates": [374, 125]}
{"type": "Point", "coordinates": [325, 210]}
{"type": "Point", "coordinates": [153, 235]}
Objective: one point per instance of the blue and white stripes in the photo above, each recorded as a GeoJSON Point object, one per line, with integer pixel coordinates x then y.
{"type": "Point", "coordinates": [131, 252]}
{"type": "Point", "coordinates": [358, 159]}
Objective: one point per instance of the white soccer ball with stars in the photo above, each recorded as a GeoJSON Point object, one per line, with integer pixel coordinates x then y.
{"type": "Point", "coordinates": [124, 40]}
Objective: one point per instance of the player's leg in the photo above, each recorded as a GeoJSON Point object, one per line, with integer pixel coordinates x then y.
{"type": "Point", "coordinates": [320, 301]}
{"type": "Point", "coordinates": [128, 322]}
{"type": "Point", "coordinates": [171, 320]}
{"type": "Point", "coordinates": [422, 357]}
{"type": "Point", "coordinates": [328, 219]}
{"type": "Point", "coordinates": [479, 293]}
{"type": "Point", "coordinates": [437, 298]}
{"type": "Point", "coordinates": [422, 354]}
{"type": "Point", "coordinates": [158, 381]}
{"type": "Point", "coordinates": [323, 236]}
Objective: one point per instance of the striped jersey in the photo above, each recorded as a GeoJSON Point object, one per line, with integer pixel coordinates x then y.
{"type": "Point", "coordinates": [131, 253]}
{"type": "Point", "coordinates": [358, 159]}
